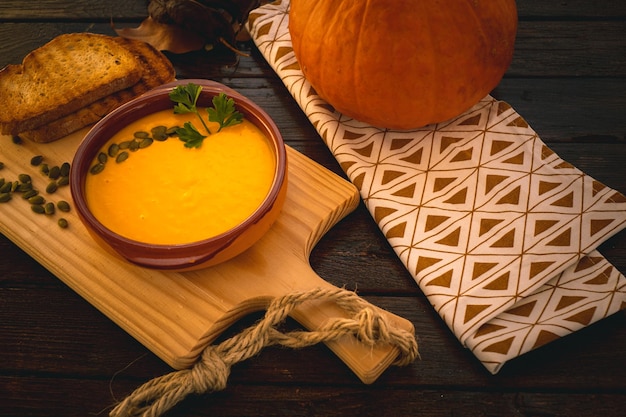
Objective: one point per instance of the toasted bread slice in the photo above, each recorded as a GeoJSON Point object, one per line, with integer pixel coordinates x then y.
{"type": "Point", "coordinates": [63, 76]}
{"type": "Point", "coordinates": [156, 70]}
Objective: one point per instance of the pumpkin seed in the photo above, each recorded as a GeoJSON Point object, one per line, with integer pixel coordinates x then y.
{"type": "Point", "coordinates": [145, 143]}
{"type": "Point", "coordinates": [158, 129]}
{"type": "Point", "coordinates": [103, 158]}
{"type": "Point", "coordinates": [160, 137]}
{"type": "Point", "coordinates": [141, 134]}
{"type": "Point", "coordinates": [2, 181]}
{"type": "Point", "coordinates": [125, 144]}
{"type": "Point", "coordinates": [1, 165]}
{"type": "Point", "coordinates": [38, 208]}
{"type": "Point", "coordinates": [96, 169]}
{"type": "Point", "coordinates": [24, 178]}
{"type": "Point", "coordinates": [121, 157]}
{"type": "Point", "coordinates": [14, 186]}
{"type": "Point", "coordinates": [16, 139]}
{"type": "Point", "coordinates": [62, 223]}
{"type": "Point", "coordinates": [4, 197]}
{"type": "Point", "coordinates": [38, 199]}
{"type": "Point", "coordinates": [159, 133]}
{"type": "Point", "coordinates": [30, 193]}
{"type": "Point", "coordinates": [45, 169]}
{"type": "Point", "coordinates": [49, 208]}
{"type": "Point", "coordinates": [63, 206]}
{"type": "Point", "coordinates": [55, 172]}
{"type": "Point", "coordinates": [65, 169]}
{"type": "Point", "coordinates": [172, 130]}
{"type": "Point", "coordinates": [23, 187]}
{"type": "Point", "coordinates": [52, 187]}
{"type": "Point", "coordinates": [63, 181]}
{"type": "Point", "coordinates": [113, 150]}
{"type": "Point", "coordinates": [6, 187]}
{"type": "Point", "coordinates": [134, 145]}
{"type": "Point", "coordinates": [36, 160]}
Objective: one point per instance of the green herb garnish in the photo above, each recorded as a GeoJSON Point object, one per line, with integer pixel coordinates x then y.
{"type": "Point", "coordinates": [223, 112]}
{"type": "Point", "coordinates": [190, 135]}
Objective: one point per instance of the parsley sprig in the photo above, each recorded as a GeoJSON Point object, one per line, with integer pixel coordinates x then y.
{"type": "Point", "coordinates": [223, 113]}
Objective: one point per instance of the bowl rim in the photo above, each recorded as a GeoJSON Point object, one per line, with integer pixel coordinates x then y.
{"type": "Point", "coordinates": [87, 151]}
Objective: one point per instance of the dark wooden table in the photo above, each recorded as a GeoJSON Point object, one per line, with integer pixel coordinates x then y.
{"type": "Point", "coordinates": [59, 356]}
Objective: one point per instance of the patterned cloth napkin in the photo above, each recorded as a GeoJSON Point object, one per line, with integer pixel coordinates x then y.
{"type": "Point", "coordinates": [498, 231]}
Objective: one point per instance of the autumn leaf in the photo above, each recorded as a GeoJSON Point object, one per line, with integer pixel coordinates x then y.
{"type": "Point", "coordinates": [164, 37]}
{"type": "Point", "coordinates": [181, 26]}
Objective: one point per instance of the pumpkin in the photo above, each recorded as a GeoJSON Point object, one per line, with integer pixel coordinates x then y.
{"type": "Point", "coordinates": [403, 64]}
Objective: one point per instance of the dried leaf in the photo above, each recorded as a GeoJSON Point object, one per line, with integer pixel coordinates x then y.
{"type": "Point", "coordinates": [164, 37]}
{"type": "Point", "coordinates": [212, 21]}
{"type": "Point", "coordinates": [181, 26]}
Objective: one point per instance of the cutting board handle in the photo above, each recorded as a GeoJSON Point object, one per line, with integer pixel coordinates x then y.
{"type": "Point", "coordinates": [367, 361]}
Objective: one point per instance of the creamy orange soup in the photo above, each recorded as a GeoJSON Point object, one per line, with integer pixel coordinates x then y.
{"type": "Point", "coordinates": [169, 194]}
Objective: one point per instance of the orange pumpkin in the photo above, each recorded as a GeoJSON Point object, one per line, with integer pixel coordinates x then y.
{"type": "Point", "coordinates": [403, 64]}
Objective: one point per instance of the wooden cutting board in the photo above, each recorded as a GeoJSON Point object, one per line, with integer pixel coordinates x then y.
{"type": "Point", "coordinates": [176, 315]}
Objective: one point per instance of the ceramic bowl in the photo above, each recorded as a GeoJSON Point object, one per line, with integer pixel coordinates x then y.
{"type": "Point", "coordinates": [199, 254]}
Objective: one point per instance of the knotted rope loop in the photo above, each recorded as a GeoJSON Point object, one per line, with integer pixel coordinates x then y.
{"type": "Point", "coordinates": [211, 372]}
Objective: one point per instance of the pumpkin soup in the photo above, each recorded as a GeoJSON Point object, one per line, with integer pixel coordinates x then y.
{"type": "Point", "coordinates": [166, 193]}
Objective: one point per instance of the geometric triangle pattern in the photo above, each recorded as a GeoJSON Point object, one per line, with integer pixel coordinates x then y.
{"type": "Point", "coordinates": [579, 296]}
{"type": "Point", "coordinates": [497, 230]}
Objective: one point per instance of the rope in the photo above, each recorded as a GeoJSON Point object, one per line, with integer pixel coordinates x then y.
{"type": "Point", "coordinates": [211, 372]}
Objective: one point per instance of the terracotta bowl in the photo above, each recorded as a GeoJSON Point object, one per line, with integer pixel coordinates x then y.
{"type": "Point", "coordinates": [199, 254]}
